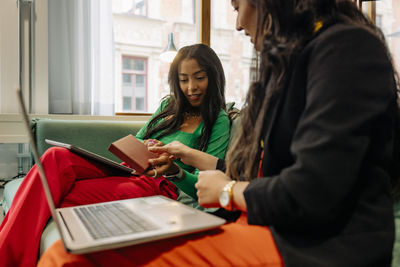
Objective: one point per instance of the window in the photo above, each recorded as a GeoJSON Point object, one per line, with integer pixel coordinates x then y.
{"type": "Point", "coordinates": [78, 48]}
{"type": "Point", "coordinates": [138, 43]}
{"type": "Point", "coordinates": [134, 81]}
{"type": "Point", "coordinates": [235, 50]}
{"type": "Point", "coordinates": [135, 7]}
{"type": "Point", "coordinates": [140, 8]}
{"type": "Point", "coordinates": [388, 19]}
{"type": "Point", "coordinates": [378, 21]}
{"type": "Point", "coordinates": [90, 58]}
{"type": "Point", "coordinates": [386, 15]}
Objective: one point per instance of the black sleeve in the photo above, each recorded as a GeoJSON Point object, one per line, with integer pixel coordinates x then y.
{"type": "Point", "coordinates": [221, 165]}
{"type": "Point", "coordinates": [349, 85]}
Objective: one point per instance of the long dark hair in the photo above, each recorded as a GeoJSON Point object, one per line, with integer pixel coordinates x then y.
{"type": "Point", "coordinates": [286, 26]}
{"type": "Point", "coordinates": [177, 104]}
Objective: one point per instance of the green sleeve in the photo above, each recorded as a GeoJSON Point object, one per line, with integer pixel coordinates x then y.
{"type": "Point", "coordinates": [216, 147]}
{"type": "Point", "coordinates": [140, 134]}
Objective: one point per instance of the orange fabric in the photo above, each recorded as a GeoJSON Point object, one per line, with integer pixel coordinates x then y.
{"type": "Point", "coordinates": [234, 244]}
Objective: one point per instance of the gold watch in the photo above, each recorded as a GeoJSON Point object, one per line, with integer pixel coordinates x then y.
{"type": "Point", "coordinates": [226, 196]}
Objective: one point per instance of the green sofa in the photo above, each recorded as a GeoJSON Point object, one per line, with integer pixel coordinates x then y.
{"type": "Point", "coordinates": [95, 135]}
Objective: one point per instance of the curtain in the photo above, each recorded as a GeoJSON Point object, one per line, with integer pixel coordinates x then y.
{"type": "Point", "coordinates": [81, 59]}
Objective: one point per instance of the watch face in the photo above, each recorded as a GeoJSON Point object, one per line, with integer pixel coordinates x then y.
{"type": "Point", "coordinates": [224, 199]}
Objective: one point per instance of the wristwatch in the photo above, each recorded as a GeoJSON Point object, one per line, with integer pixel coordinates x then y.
{"type": "Point", "coordinates": [226, 196]}
{"type": "Point", "coordinates": [176, 177]}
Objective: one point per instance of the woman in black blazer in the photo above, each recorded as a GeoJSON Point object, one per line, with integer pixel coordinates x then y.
{"type": "Point", "coordinates": [322, 121]}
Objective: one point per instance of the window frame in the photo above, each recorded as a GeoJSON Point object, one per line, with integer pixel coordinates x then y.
{"type": "Point", "coordinates": [40, 54]}
{"type": "Point", "coordinates": [371, 8]}
{"type": "Point", "coordinates": [133, 73]}
{"type": "Point", "coordinates": [203, 20]}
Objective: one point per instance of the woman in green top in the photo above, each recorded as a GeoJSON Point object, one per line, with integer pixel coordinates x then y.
{"type": "Point", "coordinates": [192, 133]}
{"type": "Point", "coordinates": [194, 113]}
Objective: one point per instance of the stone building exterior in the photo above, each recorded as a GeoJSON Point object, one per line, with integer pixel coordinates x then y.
{"type": "Point", "coordinates": [141, 34]}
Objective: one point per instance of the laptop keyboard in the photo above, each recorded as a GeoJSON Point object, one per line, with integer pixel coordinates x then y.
{"type": "Point", "coordinates": [111, 219]}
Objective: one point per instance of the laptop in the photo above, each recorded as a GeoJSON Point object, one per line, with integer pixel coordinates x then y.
{"type": "Point", "coordinates": [114, 224]}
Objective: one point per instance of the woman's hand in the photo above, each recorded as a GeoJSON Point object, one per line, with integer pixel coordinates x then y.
{"type": "Point", "coordinates": [163, 164]}
{"type": "Point", "coordinates": [160, 165]}
{"type": "Point", "coordinates": [187, 155]}
{"type": "Point", "coordinates": [175, 149]}
{"type": "Point", "coordinates": [152, 143]}
{"type": "Point", "coordinates": [209, 187]}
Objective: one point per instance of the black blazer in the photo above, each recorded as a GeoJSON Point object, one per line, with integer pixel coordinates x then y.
{"type": "Point", "coordinates": [326, 194]}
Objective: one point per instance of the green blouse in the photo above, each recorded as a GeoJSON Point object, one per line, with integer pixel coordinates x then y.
{"type": "Point", "coordinates": [216, 147]}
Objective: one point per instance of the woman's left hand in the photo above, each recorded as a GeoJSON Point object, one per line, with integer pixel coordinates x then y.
{"type": "Point", "coordinates": [209, 187]}
{"type": "Point", "coordinates": [160, 165]}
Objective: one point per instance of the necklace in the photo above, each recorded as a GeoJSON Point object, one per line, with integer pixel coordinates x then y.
{"type": "Point", "coordinates": [191, 114]}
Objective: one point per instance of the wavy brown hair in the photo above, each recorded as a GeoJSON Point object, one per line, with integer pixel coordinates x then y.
{"type": "Point", "coordinates": [286, 27]}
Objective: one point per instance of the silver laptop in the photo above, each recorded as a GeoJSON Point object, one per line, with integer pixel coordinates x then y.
{"type": "Point", "coordinates": [114, 224]}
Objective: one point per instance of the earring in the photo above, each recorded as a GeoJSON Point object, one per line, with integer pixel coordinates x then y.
{"type": "Point", "coordinates": [268, 24]}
